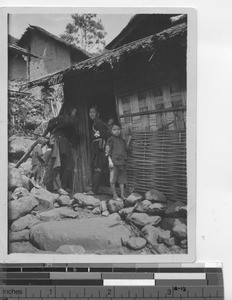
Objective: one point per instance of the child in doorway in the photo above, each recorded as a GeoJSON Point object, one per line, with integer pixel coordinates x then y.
{"type": "Point", "coordinates": [37, 162]}
{"type": "Point", "coordinates": [116, 151]}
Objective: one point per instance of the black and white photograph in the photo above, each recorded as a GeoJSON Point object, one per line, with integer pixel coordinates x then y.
{"type": "Point", "coordinates": [101, 133]}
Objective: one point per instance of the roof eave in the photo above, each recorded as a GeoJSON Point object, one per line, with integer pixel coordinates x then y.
{"type": "Point", "coordinates": [144, 44]}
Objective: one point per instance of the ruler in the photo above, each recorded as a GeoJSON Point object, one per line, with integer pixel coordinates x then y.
{"type": "Point", "coordinates": [155, 282]}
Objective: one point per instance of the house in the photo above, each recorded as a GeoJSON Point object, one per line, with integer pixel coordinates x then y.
{"type": "Point", "coordinates": [50, 53]}
{"type": "Point", "coordinates": [17, 60]}
{"type": "Point", "coordinates": [144, 83]}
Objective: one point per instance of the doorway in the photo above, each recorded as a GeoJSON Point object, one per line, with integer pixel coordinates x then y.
{"type": "Point", "coordinates": [106, 104]}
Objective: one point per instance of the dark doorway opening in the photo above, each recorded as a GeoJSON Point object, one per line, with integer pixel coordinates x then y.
{"type": "Point", "coordinates": [105, 102]}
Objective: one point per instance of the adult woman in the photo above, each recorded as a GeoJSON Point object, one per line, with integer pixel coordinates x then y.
{"type": "Point", "coordinates": [99, 134]}
{"type": "Point", "coordinates": [61, 128]}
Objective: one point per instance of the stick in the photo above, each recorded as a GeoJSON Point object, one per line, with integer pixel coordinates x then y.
{"type": "Point", "coordinates": [26, 155]}
{"type": "Point", "coordinates": [153, 247]}
{"type": "Point", "coordinates": [127, 219]}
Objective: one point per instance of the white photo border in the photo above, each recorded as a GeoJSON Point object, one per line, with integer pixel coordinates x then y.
{"type": "Point", "coordinates": [191, 141]}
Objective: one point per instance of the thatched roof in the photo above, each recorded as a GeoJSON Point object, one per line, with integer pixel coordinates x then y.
{"type": "Point", "coordinates": [19, 50]}
{"type": "Point", "coordinates": [31, 29]}
{"type": "Point", "coordinates": [178, 19]}
{"type": "Point", "coordinates": [111, 58]}
{"type": "Point", "coordinates": [139, 26]}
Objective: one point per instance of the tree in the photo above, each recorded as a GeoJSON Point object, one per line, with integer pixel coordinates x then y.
{"type": "Point", "coordinates": [85, 31]}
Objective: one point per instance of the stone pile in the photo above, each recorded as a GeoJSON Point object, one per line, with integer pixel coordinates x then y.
{"type": "Point", "coordinates": [43, 222]}
{"type": "Point", "coordinates": [161, 225]}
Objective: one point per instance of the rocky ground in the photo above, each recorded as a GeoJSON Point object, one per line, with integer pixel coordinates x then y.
{"type": "Point", "coordinates": [42, 222]}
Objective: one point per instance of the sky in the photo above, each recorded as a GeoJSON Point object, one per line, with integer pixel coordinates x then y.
{"type": "Point", "coordinates": [55, 23]}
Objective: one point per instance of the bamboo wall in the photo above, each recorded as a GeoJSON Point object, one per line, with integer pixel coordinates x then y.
{"type": "Point", "coordinates": [158, 161]}
{"type": "Point", "coordinates": [152, 107]}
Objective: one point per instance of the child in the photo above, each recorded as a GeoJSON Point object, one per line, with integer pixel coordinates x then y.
{"type": "Point", "coordinates": [37, 162]}
{"type": "Point", "coordinates": [116, 151]}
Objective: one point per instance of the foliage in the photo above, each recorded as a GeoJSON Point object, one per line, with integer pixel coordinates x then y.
{"type": "Point", "coordinates": [28, 114]}
{"type": "Point", "coordinates": [85, 31]}
{"type": "Point", "coordinates": [23, 110]}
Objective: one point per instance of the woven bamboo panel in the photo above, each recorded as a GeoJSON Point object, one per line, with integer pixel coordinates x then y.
{"type": "Point", "coordinates": [158, 161]}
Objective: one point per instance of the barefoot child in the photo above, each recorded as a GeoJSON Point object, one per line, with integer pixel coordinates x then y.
{"type": "Point", "coordinates": [37, 162]}
{"type": "Point", "coordinates": [116, 151]}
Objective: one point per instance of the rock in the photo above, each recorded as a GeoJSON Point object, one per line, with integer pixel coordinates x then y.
{"type": "Point", "coordinates": [184, 242]}
{"type": "Point", "coordinates": [56, 205]}
{"type": "Point", "coordinates": [44, 197]}
{"type": "Point", "coordinates": [86, 200]}
{"type": "Point", "coordinates": [96, 211]}
{"type": "Point", "coordinates": [114, 218]}
{"type": "Point", "coordinates": [19, 236]}
{"type": "Point", "coordinates": [18, 146]}
{"type": "Point", "coordinates": [177, 250]}
{"type": "Point", "coordinates": [156, 235]}
{"type": "Point", "coordinates": [94, 234]}
{"type": "Point", "coordinates": [57, 214]}
{"type": "Point", "coordinates": [63, 200]}
{"type": "Point", "coordinates": [156, 209]}
{"type": "Point", "coordinates": [164, 236]}
{"type": "Point", "coordinates": [20, 192]}
{"type": "Point", "coordinates": [105, 213]}
{"type": "Point", "coordinates": [14, 179]}
{"type": "Point", "coordinates": [24, 222]}
{"type": "Point", "coordinates": [124, 240]}
{"type": "Point", "coordinates": [133, 199]}
{"type": "Point", "coordinates": [10, 197]}
{"type": "Point", "coordinates": [151, 233]}
{"type": "Point", "coordinates": [56, 196]}
{"type": "Point", "coordinates": [70, 249]}
{"type": "Point", "coordinates": [155, 196]}
{"type": "Point", "coordinates": [143, 206]}
{"type": "Point", "coordinates": [142, 219]}
{"type": "Point", "coordinates": [176, 210]}
{"type": "Point", "coordinates": [169, 223]}
{"type": "Point", "coordinates": [26, 167]}
{"type": "Point", "coordinates": [179, 230]}
{"type": "Point", "coordinates": [114, 205]}
{"type": "Point", "coordinates": [22, 247]}
{"type": "Point", "coordinates": [103, 206]}
{"type": "Point", "coordinates": [171, 242]}
{"type": "Point", "coordinates": [21, 207]}
{"type": "Point", "coordinates": [163, 249]}
{"type": "Point", "coordinates": [27, 183]}
{"type": "Point", "coordinates": [136, 243]}
{"type": "Point", "coordinates": [124, 212]}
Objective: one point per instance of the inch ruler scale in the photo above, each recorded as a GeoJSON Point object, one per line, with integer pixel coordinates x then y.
{"type": "Point", "coordinates": [98, 282]}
